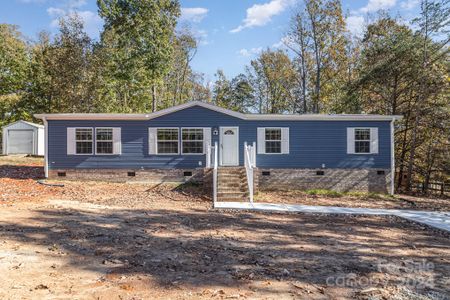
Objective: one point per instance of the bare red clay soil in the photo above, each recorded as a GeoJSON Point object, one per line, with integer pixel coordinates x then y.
{"type": "Point", "coordinates": [91, 240]}
{"type": "Point", "coordinates": [366, 201]}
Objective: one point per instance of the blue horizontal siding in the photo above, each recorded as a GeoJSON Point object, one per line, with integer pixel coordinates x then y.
{"type": "Point", "coordinates": [312, 143]}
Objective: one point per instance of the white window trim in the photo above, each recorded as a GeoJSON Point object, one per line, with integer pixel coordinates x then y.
{"type": "Point", "coordinates": [281, 141]}
{"type": "Point", "coordinates": [203, 141]}
{"type": "Point", "coordinates": [354, 141]}
{"type": "Point", "coordinates": [75, 140]}
{"type": "Point", "coordinates": [178, 141]}
{"type": "Point", "coordinates": [112, 141]}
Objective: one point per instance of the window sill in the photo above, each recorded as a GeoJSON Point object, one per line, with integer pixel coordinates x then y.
{"type": "Point", "coordinates": [193, 154]}
{"type": "Point", "coordinates": [272, 153]}
{"type": "Point", "coordinates": [362, 153]}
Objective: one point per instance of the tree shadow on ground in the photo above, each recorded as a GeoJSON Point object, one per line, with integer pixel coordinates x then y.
{"type": "Point", "coordinates": [21, 172]}
{"type": "Point", "coordinates": [211, 248]}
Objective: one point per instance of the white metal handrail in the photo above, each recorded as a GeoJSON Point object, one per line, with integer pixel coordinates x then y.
{"type": "Point", "coordinates": [250, 163]}
{"type": "Point", "coordinates": [215, 173]}
{"type": "Point", "coordinates": [208, 155]}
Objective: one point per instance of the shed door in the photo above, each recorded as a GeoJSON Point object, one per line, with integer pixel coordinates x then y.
{"type": "Point", "coordinates": [20, 142]}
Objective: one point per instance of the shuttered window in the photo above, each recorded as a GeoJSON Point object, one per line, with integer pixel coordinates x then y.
{"type": "Point", "coordinates": [362, 140]}
{"type": "Point", "coordinates": [168, 140]}
{"type": "Point", "coordinates": [82, 140]}
{"type": "Point", "coordinates": [273, 140]}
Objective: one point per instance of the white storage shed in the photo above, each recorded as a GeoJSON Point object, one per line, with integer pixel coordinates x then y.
{"type": "Point", "coordinates": [23, 137]}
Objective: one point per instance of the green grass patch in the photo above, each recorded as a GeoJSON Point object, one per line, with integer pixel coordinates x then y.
{"type": "Point", "coordinates": [365, 195]}
{"type": "Point", "coordinates": [335, 194]}
{"type": "Point", "coordinates": [323, 192]}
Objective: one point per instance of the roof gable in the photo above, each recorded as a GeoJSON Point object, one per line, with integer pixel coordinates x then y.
{"type": "Point", "coordinates": [193, 104]}
{"type": "Point", "coordinates": [24, 122]}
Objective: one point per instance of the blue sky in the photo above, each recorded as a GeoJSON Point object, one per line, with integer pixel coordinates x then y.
{"type": "Point", "coordinates": [231, 32]}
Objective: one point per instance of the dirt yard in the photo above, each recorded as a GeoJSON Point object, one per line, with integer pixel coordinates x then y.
{"type": "Point", "coordinates": [355, 200]}
{"type": "Point", "coordinates": [135, 241]}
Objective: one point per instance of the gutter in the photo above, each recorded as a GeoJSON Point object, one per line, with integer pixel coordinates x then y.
{"type": "Point", "coordinates": [248, 117]}
{"type": "Point", "coordinates": [44, 119]}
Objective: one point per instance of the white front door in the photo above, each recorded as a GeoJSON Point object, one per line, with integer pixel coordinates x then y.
{"type": "Point", "coordinates": [229, 142]}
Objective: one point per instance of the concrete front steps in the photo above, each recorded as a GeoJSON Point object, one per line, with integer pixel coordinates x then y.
{"type": "Point", "coordinates": [232, 184]}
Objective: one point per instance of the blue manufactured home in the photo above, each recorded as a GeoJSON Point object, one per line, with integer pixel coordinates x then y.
{"type": "Point", "coordinates": [341, 152]}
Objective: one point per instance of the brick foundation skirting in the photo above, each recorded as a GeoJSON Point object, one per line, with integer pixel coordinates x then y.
{"type": "Point", "coordinates": [125, 175]}
{"type": "Point", "coordinates": [341, 180]}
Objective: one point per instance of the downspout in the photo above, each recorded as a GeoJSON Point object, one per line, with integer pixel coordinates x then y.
{"type": "Point", "coordinates": [46, 147]}
{"type": "Point", "coordinates": [392, 191]}
{"type": "Point", "coordinates": [5, 142]}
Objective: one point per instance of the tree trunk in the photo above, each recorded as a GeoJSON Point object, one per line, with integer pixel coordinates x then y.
{"type": "Point", "coordinates": [154, 100]}
{"type": "Point", "coordinates": [412, 153]}
{"type": "Point", "coordinates": [402, 160]}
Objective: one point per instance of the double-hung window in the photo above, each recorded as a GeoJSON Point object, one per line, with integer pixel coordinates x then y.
{"type": "Point", "coordinates": [192, 140]}
{"type": "Point", "coordinates": [90, 141]}
{"type": "Point", "coordinates": [362, 140]}
{"type": "Point", "coordinates": [104, 141]}
{"type": "Point", "coordinates": [167, 140]}
{"type": "Point", "coordinates": [273, 140]}
{"type": "Point", "coordinates": [83, 141]}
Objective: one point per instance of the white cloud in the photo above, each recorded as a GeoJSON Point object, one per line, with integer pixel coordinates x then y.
{"type": "Point", "coordinates": [355, 24]}
{"type": "Point", "coordinates": [278, 45]}
{"type": "Point", "coordinates": [202, 36]}
{"type": "Point", "coordinates": [55, 12]}
{"type": "Point", "coordinates": [250, 52]}
{"type": "Point", "coordinates": [375, 5]}
{"type": "Point", "coordinates": [409, 4]}
{"type": "Point", "coordinates": [282, 43]}
{"type": "Point", "coordinates": [76, 3]}
{"type": "Point", "coordinates": [193, 14]}
{"type": "Point", "coordinates": [91, 20]}
{"type": "Point", "coordinates": [261, 14]}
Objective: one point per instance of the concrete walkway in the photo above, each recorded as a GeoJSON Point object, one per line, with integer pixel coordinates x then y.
{"type": "Point", "coordinates": [440, 220]}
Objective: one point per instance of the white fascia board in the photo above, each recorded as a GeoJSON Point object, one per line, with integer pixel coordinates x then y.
{"type": "Point", "coordinates": [267, 117]}
{"type": "Point", "coordinates": [92, 116]}
{"type": "Point", "coordinates": [139, 116]}
{"type": "Point", "coordinates": [24, 122]}
{"type": "Point", "coordinates": [320, 117]}
{"type": "Point", "coordinates": [32, 124]}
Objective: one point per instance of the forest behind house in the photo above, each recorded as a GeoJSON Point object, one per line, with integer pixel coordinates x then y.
{"type": "Point", "coordinates": [142, 63]}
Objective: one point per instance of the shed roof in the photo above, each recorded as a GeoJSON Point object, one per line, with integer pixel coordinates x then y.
{"type": "Point", "coordinates": [268, 117]}
{"type": "Point", "coordinates": [24, 122]}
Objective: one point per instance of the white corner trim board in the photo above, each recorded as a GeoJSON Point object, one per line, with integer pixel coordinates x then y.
{"type": "Point", "coordinates": [284, 117]}
{"type": "Point", "coordinates": [46, 147]}
{"type": "Point", "coordinates": [392, 191]}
